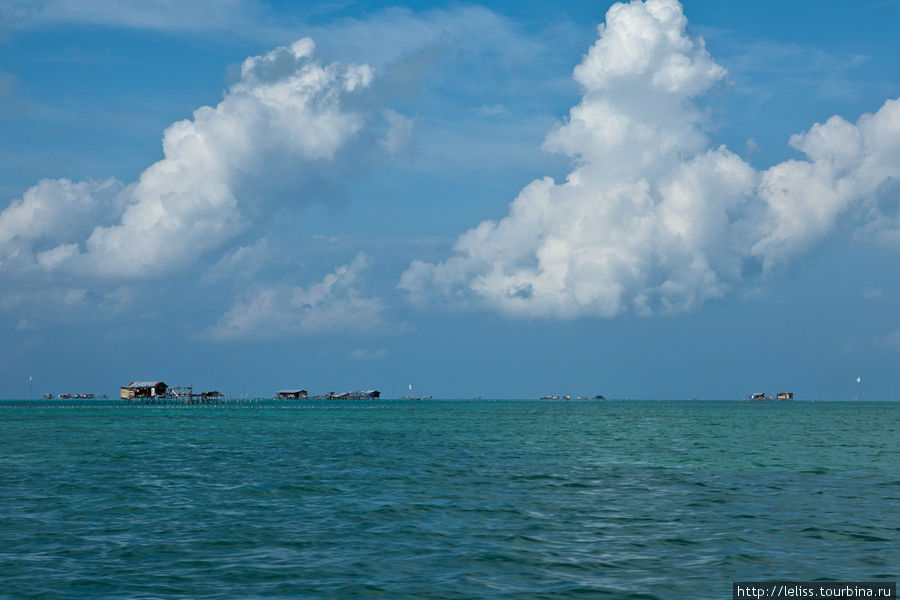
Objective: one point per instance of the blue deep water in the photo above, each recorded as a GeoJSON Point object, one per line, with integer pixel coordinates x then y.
{"type": "Point", "coordinates": [443, 499]}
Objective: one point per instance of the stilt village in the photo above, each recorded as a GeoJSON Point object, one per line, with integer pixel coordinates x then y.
{"type": "Point", "coordinates": [157, 392]}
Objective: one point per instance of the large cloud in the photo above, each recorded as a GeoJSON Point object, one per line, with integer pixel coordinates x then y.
{"type": "Point", "coordinates": [53, 211]}
{"type": "Point", "coordinates": [654, 218]}
{"type": "Point", "coordinates": [847, 165]}
{"type": "Point", "coordinates": [286, 107]}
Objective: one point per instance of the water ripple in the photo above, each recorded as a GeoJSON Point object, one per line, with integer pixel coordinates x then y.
{"type": "Point", "coordinates": [443, 500]}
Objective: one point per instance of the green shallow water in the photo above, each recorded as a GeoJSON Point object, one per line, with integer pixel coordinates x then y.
{"type": "Point", "coordinates": [443, 499]}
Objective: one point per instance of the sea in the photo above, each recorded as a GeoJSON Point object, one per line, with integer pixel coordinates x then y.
{"type": "Point", "coordinates": [444, 499]}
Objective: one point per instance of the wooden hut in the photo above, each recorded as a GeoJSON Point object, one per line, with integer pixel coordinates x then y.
{"type": "Point", "coordinates": [143, 389]}
{"type": "Point", "coordinates": [291, 394]}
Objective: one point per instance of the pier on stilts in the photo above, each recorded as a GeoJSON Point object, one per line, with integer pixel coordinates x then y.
{"type": "Point", "coordinates": [157, 392]}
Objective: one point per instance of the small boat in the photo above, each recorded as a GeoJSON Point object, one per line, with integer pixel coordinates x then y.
{"type": "Point", "coordinates": [411, 397]}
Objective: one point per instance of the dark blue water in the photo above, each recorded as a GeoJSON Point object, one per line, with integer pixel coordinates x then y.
{"type": "Point", "coordinates": [443, 499]}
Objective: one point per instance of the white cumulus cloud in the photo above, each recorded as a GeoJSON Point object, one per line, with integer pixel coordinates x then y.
{"type": "Point", "coordinates": [44, 226]}
{"type": "Point", "coordinates": [286, 107]}
{"type": "Point", "coordinates": [654, 218]}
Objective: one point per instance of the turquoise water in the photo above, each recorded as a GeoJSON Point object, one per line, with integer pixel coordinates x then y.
{"type": "Point", "coordinates": [443, 499]}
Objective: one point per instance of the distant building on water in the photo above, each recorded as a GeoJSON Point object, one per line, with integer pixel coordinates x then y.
{"type": "Point", "coordinates": [292, 394]}
{"type": "Point", "coordinates": [296, 394]}
{"type": "Point", "coordinates": [779, 396]}
{"type": "Point", "coordinates": [143, 389]}
{"type": "Point", "coordinates": [358, 395]}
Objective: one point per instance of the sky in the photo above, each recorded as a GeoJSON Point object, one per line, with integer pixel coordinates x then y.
{"type": "Point", "coordinates": [502, 199]}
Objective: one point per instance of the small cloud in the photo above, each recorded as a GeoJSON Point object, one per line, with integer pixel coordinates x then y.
{"type": "Point", "coordinates": [891, 340]}
{"type": "Point", "coordinates": [872, 293]}
{"type": "Point", "coordinates": [24, 324]}
{"type": "Point", "coordinates": [118, 299]}
{"type": "Point", "coordinates": [361, 354]}
{"type": "Point", "coordinates": [333, 305]}
{"type": "Point", "coordinates": [242, 263]}
{"type": "Point", "coordinates": [751, 148]}
{"type": "Point", "coordinates": [848, 348]}
{"type": "Point", "coordinates": [756, 293]}
{"type": "Point", "coordinates": [228, 15]}
{"type": "Point", "coordinates": [74, 296]}
{"type": "Point", "coordinates": [492, 110]}
{"type": "Point", "coordinates": [8, 82]}
{"type": "Point", "coordinates": [50, 259]}
{"type": "Point", "coordinates": [399, 133]}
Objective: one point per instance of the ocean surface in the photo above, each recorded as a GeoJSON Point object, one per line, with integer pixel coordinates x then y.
{"type": "Point", "coordinates": [443, 499]}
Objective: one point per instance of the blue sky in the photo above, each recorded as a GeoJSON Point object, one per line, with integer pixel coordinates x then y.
{"type": "Point", "coordinates": [492, 199]}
